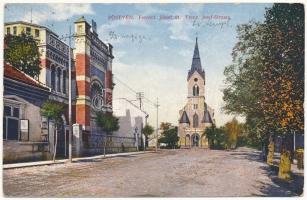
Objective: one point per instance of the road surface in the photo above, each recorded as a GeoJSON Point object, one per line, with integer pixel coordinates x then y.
{"type": "Point", "coordinates": [168, 173]}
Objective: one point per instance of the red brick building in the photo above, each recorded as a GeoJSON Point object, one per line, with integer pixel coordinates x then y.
{"type": "Point", "coordinates": [93, 72]}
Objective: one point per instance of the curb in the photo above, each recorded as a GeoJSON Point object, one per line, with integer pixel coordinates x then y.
{"type": "Point", "coordinates": [63, 161]}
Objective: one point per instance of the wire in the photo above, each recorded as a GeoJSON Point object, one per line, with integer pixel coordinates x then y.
{"type": "Point", "coordinates": [134, 91]}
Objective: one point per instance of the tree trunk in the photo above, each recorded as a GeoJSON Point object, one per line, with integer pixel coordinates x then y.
{"type": "Point", "coordinates": [285, 160]}
{"type": "Point", "coordinates": [56, 142]}
{"type": "Point", "coordinates": [270, 156]}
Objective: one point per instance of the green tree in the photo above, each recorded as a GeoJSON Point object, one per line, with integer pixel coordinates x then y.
{"type": "Point", "coordinates": [107, 121]}
{"type": "Point", "coordinates": [53, 111]}
{"type": "Point", "coordinates": [169, 137]}
{"type": "Point", "coordinates": [22, 52]}
{"type": "Point", "coordinates": [216, 137]}
{"type": "Point", "coordinates": [147, 131]}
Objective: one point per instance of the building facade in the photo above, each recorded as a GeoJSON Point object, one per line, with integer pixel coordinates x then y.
{"type": "Point", "coordinates": [196, 115]}
{"type": "Point", "coordinates": [23, 136]}
{"type": "Point", "coordinates": [92, 84]}
{"type": "Point", "coordinates": [93, 72]}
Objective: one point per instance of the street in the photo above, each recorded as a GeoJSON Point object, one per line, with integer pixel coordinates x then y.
{"type": "Point", "coordinates": [168, 173]}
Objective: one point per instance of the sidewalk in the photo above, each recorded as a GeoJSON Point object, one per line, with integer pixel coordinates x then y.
{"type": "Point", "coordinates": [62, 161]}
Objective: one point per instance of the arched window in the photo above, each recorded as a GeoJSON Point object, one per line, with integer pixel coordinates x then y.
{"type": "Point", "coordinates": [53, 78]}
{"type": "Point", "coordinates": [195, 90]}
{"type": "Point", "coordinates": [58, 89]}
{"type": "Point", "coordinates": [195, 121]}
{"type": "Point", "coordinates": [64, 82]}
{"type": "Point", "coordinates": [97, 95]}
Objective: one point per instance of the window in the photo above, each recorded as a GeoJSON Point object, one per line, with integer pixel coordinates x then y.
{"type": "Point", "coordinates": [36, 33]}
{"type": "Point", "coordinates": [28, 30]}
{"type": "Point", "coordinates": [11, 122]}
{"type": "Point", "coordinates": [80, 28]}
{"type": "Point", "coordinates": [15, 30]}
{"type": "Point", "coordinates": [195, 106]}
{"type": "Point", "coordinates": [64, 82]}
{"type": "Point", "coordinates": [53, 78]}
{"type": "Point", "coordinates": [58, 80]}
{"type": "Point", "coordinates": [195, 90]}
{"type": "Point", "coordinates": [7, 110]}
{"type": "Point", "coordinates": [16, 112]}
{"type": "Point", "coordinates": [195, 121]}
{"type": "Point", "coordinates": [97, 95]}
{"type": "Point", "coordinates": [8, 30]}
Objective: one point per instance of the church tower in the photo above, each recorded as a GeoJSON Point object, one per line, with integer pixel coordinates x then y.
{"type": "Point", "coordinates": [196, 115]}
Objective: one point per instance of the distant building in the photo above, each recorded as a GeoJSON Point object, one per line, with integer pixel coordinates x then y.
{"type": "Point", "coordinates": [131, 121]}
{"type": "Point", "coordinates": [196, 114]}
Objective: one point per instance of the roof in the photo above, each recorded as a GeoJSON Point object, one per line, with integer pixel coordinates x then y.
{"type": "Point", "coordinates": [81, 19]}
{"type": "Point", "coordinates": [17, 75]}
{"type": "Point", "coordinates": [184, 118]}
{"type": "Point", "coordinates": [196, 63]}
{"type": "Point", "coordinates": [207, 116]}
{"type": "Point", "coordinates": [31, 24]}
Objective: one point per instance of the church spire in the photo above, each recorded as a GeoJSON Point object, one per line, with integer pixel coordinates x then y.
{"type": "Point", "coordinates": [196, 62]}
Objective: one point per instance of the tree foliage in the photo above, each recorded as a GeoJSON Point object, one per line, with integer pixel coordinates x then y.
{"type": "Point", "coordinates": [169, 137]}
{"type": "Point", "coordinates": [265, 82]}
{"type": "Point", "coordinates": [22, 52]}
{"type": "Point", "coordinates": [233, 130]}
{"type": "Point", "coordinates": [107, 121]}
{"type": "Point", "coordinates": [148, 130]}
{"type": "Point", "coordinates": [53, 111]}
{"type": "Point", "coordinates": [216, 137]}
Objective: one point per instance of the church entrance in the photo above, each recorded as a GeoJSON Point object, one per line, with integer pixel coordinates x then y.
{"type": "Point", "coordinates": [195, 140]}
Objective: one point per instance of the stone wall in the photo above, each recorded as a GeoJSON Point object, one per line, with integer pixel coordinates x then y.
{"type": "Point", "coordinates": [14, 151]}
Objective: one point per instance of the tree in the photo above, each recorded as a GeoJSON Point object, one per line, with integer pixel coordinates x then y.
{"type": "Point", "coordinates": [265, 83]}
{"type": "Point", "coordinates": [53, 111]}
{"type": "Point", "coordinates": [107, 121]}
{"type": "Point", "coordinates": [147, 131]}
{"type": "Point", "coordinates": [233, 130]}
{"type": "Point", "coordinates": [22, 52]}
{"type": "Point", "coordinates": [169, 137]}
{"type": "Point", "coordinates": [283, 75]}
{"type": "Point", "coordinates": [216, 137]}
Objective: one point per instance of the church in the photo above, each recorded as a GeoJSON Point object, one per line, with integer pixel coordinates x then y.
{"type": "Point", "coordinates": [196, 115]}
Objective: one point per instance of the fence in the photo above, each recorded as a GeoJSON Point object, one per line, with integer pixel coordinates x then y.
{"type": "Point", "coordinates": [295, 142]}
{"type": "Point", "coordinates": [100, 143]}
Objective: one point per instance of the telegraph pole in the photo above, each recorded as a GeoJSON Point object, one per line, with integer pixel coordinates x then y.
{"type": "Point", "coordinates": [69, 97]}
{"type": "Point", "coordinates": [140, 96]}
{"type": "Point", "coordinates": [157, 107]}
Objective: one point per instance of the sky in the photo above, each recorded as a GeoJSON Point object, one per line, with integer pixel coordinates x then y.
{"type": "Point", "coordinates": [154, 44]}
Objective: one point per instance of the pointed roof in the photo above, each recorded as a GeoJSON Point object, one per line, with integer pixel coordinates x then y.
{"type": "Point", "coordinates": [184, 118]}
{"type": "Point", "coordinates": [207, 116]}
{"type": "Point", "coordinates": [196, 63]}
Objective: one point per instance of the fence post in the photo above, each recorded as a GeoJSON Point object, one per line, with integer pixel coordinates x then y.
{"type": "Point", "coordinates": [77, 139]}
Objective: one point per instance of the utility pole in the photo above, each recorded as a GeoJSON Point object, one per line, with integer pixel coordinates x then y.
{"type": "Point", "coordinates": [157, 107]}
{"type": "Point", "coordinates": [140, 96]}
{"type": "Point", "coordinates": [69, 97]}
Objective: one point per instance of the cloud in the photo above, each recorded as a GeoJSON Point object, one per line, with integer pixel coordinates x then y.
{"type": "Point", "coordinates": [58, 12]}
